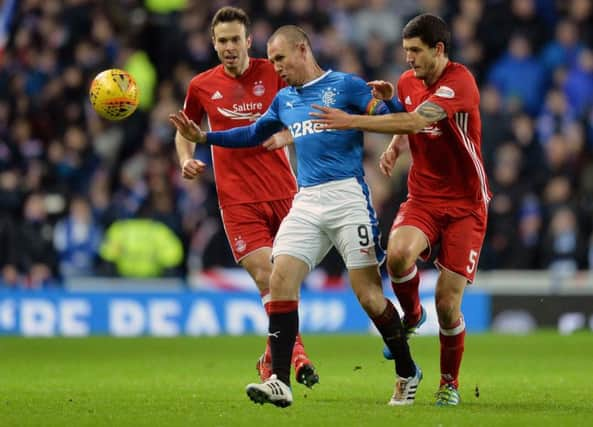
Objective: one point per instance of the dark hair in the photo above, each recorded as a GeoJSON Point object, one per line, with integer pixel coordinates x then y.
{"type": "Point", "coordinates": [230, 14]}
{"type": "Point", "coordinates": [430, 29]}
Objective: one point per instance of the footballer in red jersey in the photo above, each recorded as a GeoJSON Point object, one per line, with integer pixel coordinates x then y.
{"type": "Point", "coordinates": [229, 102]}
{"type": "Point", "coordinates": [255, 186]}
{"type": "Point", "coordinates": [448, 189]}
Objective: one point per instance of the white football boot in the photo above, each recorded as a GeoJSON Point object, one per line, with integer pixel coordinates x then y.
{"type": "Point", "coordinates": [405, 389]}
{"type": "Point", "coordinates": [271, 391]}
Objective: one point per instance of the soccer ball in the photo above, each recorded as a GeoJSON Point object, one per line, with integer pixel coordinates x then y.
{"type": "Point", "coordinates": [114, 94]}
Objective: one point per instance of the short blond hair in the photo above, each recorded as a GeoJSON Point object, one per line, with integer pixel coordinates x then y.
{"type": "Point", "coordinates": [291, 33]}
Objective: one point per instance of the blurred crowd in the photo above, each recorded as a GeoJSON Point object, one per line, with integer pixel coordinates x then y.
{"type": "Point", "coordinates": [80, 196]}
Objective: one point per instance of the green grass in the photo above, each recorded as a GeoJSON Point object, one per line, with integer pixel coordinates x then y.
{"type": "Point", "coordinates": [542, 379]}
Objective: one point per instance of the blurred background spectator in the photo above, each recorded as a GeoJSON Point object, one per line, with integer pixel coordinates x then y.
{"type": "Point", "coordinates": [77, 239]}
{"type": "Point", "coordinates": [141, 248]}
{"type": "Point", "coordinates": [71, 183]}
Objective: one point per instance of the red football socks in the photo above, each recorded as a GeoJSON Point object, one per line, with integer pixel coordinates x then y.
{"type": "Point", "coordinates": [452, 344]}
{"type": "Point", "coordinates": [405, 288]}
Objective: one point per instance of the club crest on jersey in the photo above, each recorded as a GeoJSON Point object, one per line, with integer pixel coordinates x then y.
{"type": "Point", "coordinates": [445, 92]}
{"type": "Point", "coordinates": [258, 88]}
{"type": "Point", "coordinates": [240, 244]}
{"type": "Point", "coordinates": [328, 96]}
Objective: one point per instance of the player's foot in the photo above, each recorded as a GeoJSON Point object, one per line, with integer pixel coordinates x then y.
{"type": "Point", "coordinates": [264, 366]}
{"type": "Point", "coordinates": [409, 330]}
{"type": "Point", "coordinates": [447, 396]}
{"type": "Point", "coordinates": [271, 391]}
{"type": "Point", "coordinates": [304, 370]}
{"type": "Point", "coordinates": [412, 328]}
{"type": "Point", "coordinates": [405, 389]}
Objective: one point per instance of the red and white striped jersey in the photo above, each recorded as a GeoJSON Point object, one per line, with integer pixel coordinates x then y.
{"type": "Point", "coordinates": [245, 175]}
{"type": "Point", "coordinates": [447, 166]}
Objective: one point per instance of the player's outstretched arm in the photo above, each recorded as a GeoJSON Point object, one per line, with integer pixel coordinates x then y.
{"type": "Point", "coordinates": [279, 140]}
{"type": "Point", "coordinates": [245, 136]}
{"type": "Point", "coordinates": [187, 127]}
{"type": "Point", "coordinates": [426, 114]}
{"type": "Point", "coordinates": [332, 118]}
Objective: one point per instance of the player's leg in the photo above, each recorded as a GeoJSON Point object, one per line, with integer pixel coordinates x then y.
{"type": "Point", "coordinates": [405, 244]}
{"type": "Point", "coordinates": [287, 276]}
{"type": "Point", "coordinates": [458, 259]}
{"type": "Point", "coordinates": [448, 297]}
{"type": "Point", "coordinates": [250, 230]}
{"type": "Point", "coordinates": [259, 267]}
{"type": "Point", "coordinates": [366, 283]}
{"type": "Point", "coordinates": [352, 227]}
{"type": "Point", "coordinates": [250, 239]}
{"type": "Point", "coordinates": [413, 230]}
{"type": "Point", "coordinates": [298, 246]}
{"type": "Point", "coordinates": [304, 370]}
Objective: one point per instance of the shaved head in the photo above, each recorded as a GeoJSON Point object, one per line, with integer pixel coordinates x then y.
{"type": "Point", "coordinates": [292, 34]}
{"type": "Point", "coordinates": [289, 51]}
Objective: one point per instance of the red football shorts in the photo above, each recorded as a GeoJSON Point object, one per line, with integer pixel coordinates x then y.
{"type": "Point", "coordinates": [252, 226]}
{"type": "Point", "coordinates": [460, 232]}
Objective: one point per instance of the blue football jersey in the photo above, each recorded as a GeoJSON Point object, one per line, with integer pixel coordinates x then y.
{"type": "Point", "coordinates": [322, 155]}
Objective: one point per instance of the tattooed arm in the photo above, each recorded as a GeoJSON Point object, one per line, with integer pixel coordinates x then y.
{"type": "Point", "coordinates": [425, 114]}
{"type": "Point", "coordinates": [431, 112]}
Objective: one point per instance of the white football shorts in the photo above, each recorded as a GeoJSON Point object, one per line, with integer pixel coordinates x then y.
{"type": "Point", "coordinates": [338, 213]}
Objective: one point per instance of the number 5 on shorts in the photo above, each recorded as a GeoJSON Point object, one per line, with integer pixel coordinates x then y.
{"type": "Point", "coordinates": [473, 257]}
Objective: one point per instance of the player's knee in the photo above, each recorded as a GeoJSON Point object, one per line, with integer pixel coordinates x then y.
{"type": "Point", "coordinates": [400, 258]}
{"type": "Point", "coordinates": [448, 311]}
{"type": "Point", "coordinates": [262, 278]}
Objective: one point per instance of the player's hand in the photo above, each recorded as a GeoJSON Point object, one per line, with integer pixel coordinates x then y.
{"type": "Point", "coordinates": [388, 159]}
{"type": "Point", "coordinates": [187, 127]}
{"type": "Point", "coordinates": [191, 168]}
{"type": "Point", "coordinates": [381, 89]}
{"type": "Point", "coordinates": [330, 118]}
{"type": "Point", "coordinates": [278, 140]}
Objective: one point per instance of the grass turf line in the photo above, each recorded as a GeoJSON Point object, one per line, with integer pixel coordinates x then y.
{"type": "Point", "coordinates": [542, 379]}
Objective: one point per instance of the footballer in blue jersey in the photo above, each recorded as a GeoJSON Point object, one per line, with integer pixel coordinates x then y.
{"type": "Point", "coordinates": [332, 207]}
{"type": "Point", "coordinates": [321, 158]}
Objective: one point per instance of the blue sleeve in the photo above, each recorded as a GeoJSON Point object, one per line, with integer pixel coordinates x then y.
{"type": "Point", "coordinates": [390, 106]}
{"type": "Point", "coordinates": [249, 136]}
{"type": "Point", "coordinates": [361, 98]}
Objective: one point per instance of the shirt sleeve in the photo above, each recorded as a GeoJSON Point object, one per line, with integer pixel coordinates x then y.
{"type": "Point", "coordinates": [252, 135]}
{"type": "Point", "coordinates": [361, 98]}
{"type": "Point", "coordinates": [456, 93]}
{"type": "Point", "coordinates": [393, 106]}
{"type": "Point", "coordinates": [192, 106]}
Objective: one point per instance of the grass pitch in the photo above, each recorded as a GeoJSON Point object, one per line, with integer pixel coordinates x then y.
{"type": "Point", "coordinates": [542, 379]}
